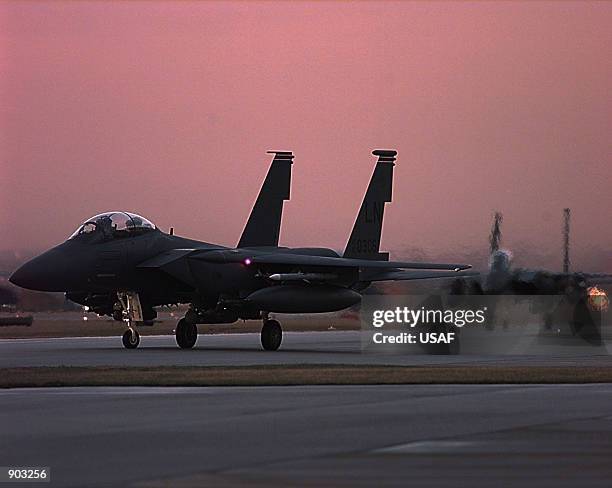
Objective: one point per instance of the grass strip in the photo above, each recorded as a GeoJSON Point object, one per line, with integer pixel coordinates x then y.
{"type": "Point", "coordinates": [311, 374]}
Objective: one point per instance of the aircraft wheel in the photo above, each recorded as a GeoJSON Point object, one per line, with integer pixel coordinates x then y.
{"type": "Point", "coordinates": [271, 335]}
{"type": "Point", "coordinates": [131, 339]}
{"type": "Point", "coordinates": [186, 334]}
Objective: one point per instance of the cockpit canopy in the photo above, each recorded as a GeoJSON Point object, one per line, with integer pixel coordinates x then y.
{"type": "Point", "coordinates": [115, 224]}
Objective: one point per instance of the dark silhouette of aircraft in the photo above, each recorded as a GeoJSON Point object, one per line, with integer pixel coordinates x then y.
{"type": "Point", "coordinates": [503, 278]}
{"type": "Point", "coordinates": [120, 264]}
{"type": "Point", "coordinates": [581, 291]}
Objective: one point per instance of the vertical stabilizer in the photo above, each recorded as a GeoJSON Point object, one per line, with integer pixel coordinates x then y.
{"type": "Point", "coordinates": [566, 240]}
{"type": "Point", "coordinates": [496, 235]}
{"type": "Point", "coordinates": [364, 242]}
{"type": "Point", "coordinates": [263, 226]}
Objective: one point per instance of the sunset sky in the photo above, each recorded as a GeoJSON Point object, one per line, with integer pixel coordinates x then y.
{"type": "Point", "coordinates": [167, 109]}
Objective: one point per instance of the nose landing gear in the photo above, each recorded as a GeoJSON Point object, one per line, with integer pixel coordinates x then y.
{"type": "Point", "coordinates": [131, 338]}
{"type": "Point", "coordinates": [132, 314]}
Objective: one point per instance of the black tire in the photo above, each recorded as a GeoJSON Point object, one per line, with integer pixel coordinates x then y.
{"type": "Point", "coordinates": [271, 335]}
{"type": "Point", "coordinates": [131, 339]}
{"type": "Point", "coordinates": [186, 334]}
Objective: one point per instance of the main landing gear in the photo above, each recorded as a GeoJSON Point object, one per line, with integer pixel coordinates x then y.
{"type": "Point", "coordinates": [271, 335]}
{"type": "Point", "coordinates": [186, 334]}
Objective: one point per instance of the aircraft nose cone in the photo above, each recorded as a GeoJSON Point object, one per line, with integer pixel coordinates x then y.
{"type": "Point", "coordinates": [32, 276]}
{"type": "Point", "coordinates": [46, 272]}
{"type": "Point", "coordinates": [22, 277]}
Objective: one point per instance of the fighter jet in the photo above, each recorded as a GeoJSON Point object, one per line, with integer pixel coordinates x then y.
{"type": "Point", "coordinates": [120, 264]}
{"type": "Point", "coordinates": [581, 291]}
{"type": "Point", "coordinates": [503, 278]}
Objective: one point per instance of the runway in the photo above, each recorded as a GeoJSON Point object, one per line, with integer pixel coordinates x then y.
{"type": "Point", "coordinates": [330, 347]}
{"type": "Point", "coordinates": [313, 436]}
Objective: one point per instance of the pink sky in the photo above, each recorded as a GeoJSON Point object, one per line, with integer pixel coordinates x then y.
{"type": "Point", "coordinates": [167, 108]}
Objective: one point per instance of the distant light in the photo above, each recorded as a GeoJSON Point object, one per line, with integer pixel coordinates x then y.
{"type": "Point", "coordinates": [84, 318]}
{"type": "Point", "coordinates": [86, 308]}
{"type": "Point", "coordinates": [247, 261]}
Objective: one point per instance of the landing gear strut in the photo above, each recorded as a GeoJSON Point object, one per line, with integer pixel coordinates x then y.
{"type": "Point", "coordinates": [132, 314]}
{"type": "Point", "coordinates": [271, 335]}
{"type": "Point", "coordinates": [186, 334]}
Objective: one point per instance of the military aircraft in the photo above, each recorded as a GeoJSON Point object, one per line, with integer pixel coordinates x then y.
{"type": "Point", "coordinates": [581, 292]}
{"type": "Point", "coordinates": [120, 264]}
{"type": "Point", "coordinates": [503, 278]}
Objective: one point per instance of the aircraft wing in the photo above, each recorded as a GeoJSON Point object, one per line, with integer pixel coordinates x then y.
{"type": "Point", "coordinates": [402, 275]}
{"type": "Point", "coordinates": [296, 259]}
{"type": "Point", "coordinates": [598, 278]}
{"type": "Point", "coordinates": [175, 263]}
{"type": "Point", "coordinates": [289, 259]}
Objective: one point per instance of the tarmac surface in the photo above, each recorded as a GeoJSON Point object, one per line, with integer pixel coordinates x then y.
{"type": "Point", "coordinates": [423, 435]}
{"type": "Point", "coordinates": [330, 347]}
{"type": "Point", "coordinates": [427, 435]}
